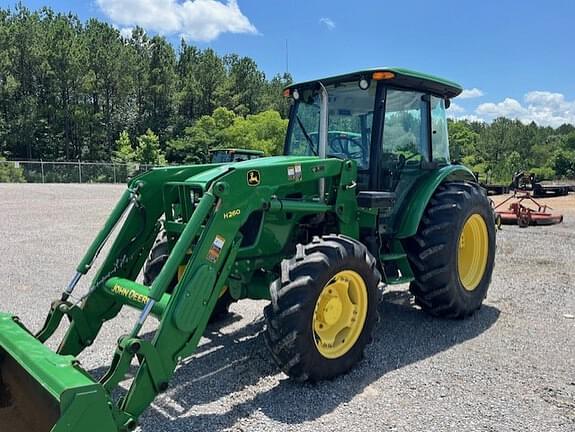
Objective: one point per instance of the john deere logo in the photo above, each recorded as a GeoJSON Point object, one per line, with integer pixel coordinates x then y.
{"type": "Point", "coordinates": [253, 178]}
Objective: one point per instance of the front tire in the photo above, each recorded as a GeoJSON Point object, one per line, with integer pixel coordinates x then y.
{"type": "Point", "coordinates": [452, 255]}
{"type": "Point", "coordinates": [323, 308]}
{"type": "Point", "coordinates": [154, 264]}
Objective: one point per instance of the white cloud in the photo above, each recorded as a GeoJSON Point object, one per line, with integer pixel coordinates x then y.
{"type": "Point", "coordinates": [542, 107]}
{"type": "Point", "coordinates": [457, 112]}
{"type": "Point", "coordinates": [508, 108]}
{"type": "Point", "coordinates": [455, 109]}
{"type": "Point", "coordinates": [200, 20]}
{"type": "Point", "coordinates": [328, 22]}
{"type": "Point", "coordinates": [471, 93]}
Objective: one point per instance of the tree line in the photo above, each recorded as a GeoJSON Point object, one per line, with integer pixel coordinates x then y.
{"type": "Point", "coordinates": [69, 89]}
{"type": "Point", "coordinates": [81, 91]}
{"type": "Point", "coordinates": [503, 147]}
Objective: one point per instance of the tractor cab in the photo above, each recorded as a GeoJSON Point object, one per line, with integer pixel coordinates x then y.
{"type": "Point", "coordinates": [390, 121]}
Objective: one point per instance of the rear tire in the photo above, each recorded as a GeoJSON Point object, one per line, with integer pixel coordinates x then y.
{"type": "Point", "coordinates": [158, 257]}
{"type": "Point", "coordinates": [323, 308]}
{"type": "Point", "coordinates": [452, 270]}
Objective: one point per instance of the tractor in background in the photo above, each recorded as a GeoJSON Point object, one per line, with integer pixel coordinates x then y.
{"type": "Point", "coordinates": [227, 155]}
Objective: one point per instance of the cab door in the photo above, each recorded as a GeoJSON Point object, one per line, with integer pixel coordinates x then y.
{"type": "Point", "coordinates": [405, 147]}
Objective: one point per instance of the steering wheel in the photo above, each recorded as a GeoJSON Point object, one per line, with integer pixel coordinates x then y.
{"type": "Point", "coordinates": [402, 159]}
{"type": "Point", "coordinates": [344, 148]}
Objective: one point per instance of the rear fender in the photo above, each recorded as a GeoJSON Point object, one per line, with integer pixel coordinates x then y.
{"type": "Point", "coordinates": [411, 212]}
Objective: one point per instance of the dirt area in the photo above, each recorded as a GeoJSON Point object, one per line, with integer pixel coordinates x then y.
{"type": "Point", "coordinates": [509, 367]}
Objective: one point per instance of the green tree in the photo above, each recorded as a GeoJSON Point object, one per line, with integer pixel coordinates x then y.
{"type": "Point", "coordinates": [67, 88]}
{"type": "Point", "coordinates": [204, 135]}
{"type": "Point", "coordinates": [62, 75]}
{"type": "Point", "coordinates": [246, 84]}
{"type": "Point", "coordinates": [187, 149]}
{"type": "Point", "coordinates": [109, 82]}
{"type": "Point", "coordinates": [570, 141]}
{"type": "Point", "coordinates": [161, 85]}
{"type": "Point", "coordinates": [148, 150]}
{"type": "Point", "coordinates": [504, 169]}
{"type": "Point", "coordinates": [273, 98]}
{"type": "Point", "coordinates": [462, 139]}
{"type": "Point", "coordinates": [188, 90]}
{"type": "Point", "coordinates": [264, 131]}
{"type": "Point", "coordinates": [124, 152]}
{"type": "Point", "coordinates": [563, 162]}
{"type": "Point", "coordinates": [9, 173]}
{"type": "Point", "coordinates": [211, 76]}
{"type": "Point", "coordinates": [138, 58]}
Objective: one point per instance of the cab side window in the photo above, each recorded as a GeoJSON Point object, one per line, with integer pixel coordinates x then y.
{"type": "Point", "coordinates": [405, 130]}
{"type": "Point", "coordinates": [439, 135]}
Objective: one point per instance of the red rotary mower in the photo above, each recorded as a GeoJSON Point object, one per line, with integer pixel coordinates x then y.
{"type": "Point", "coordinates": [518, 213]}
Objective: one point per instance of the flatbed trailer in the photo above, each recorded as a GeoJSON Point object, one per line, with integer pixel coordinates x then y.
{"type": "Point", "coordinates": [550, 189]}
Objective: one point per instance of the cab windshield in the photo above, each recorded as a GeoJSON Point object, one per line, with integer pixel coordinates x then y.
{"type": "Point", "coordinates": [349, 123]}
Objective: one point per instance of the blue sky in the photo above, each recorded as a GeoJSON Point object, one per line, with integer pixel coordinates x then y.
{"type": "Point", "coordinates": [515, 58]}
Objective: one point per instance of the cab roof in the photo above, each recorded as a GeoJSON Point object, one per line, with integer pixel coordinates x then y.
{"type": "Point", "coordinates": [401, 77]}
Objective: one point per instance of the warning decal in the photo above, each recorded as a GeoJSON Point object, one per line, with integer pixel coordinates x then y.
{"type": "Point", "coordinates": [214, 252]}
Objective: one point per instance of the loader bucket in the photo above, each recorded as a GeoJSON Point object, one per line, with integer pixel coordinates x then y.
{"type": "Point", "coordinates": [41, 391]}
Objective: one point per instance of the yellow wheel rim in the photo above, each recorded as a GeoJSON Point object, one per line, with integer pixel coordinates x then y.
{"type": "Point", "coordinates": [473, 251]}
{"type": "Point", "coordinates": [339, 314]}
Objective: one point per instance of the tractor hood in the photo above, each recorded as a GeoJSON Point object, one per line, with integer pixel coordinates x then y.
{"type": "Point", "coordinates": [203, 175]}
{"type": "Point", "coordinates": [216, 171]}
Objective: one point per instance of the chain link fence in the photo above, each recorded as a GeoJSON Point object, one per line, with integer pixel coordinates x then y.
{"type": "Point", "coordinates": [69, 172]}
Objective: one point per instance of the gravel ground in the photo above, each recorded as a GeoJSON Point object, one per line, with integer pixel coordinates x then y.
{"type": "Point", "coordinates": [510, 367]}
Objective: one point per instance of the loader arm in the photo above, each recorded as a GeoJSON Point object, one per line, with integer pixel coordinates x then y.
{"type": "Point", "coordinates": [203, 209]}
{"type": "Point", "coordinates": [217, 227]}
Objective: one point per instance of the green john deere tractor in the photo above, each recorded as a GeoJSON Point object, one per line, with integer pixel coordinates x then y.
{"type": "Point", "coordinates": [364, 196]}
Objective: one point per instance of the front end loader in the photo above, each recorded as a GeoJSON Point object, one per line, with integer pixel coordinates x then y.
{"type": "Point", "coordinates": [363, 196]}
